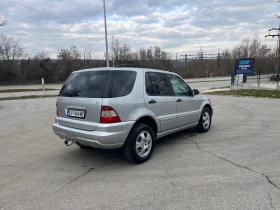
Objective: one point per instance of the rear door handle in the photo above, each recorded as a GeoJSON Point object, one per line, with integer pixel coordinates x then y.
{"type": "Point", "coordinates": [152, 101]}
{"type": "Point", "coordinates": [179, 100]}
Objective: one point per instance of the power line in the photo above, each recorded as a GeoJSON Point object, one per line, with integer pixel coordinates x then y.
{"type": "Point", "coordinates": [196, 11]}
{"type": "Point", "coordinates": [214, 9]}
{"type": "Point", "coordinates": [251, 21]}
{"type": "Point", "coordinates": [25, 21]}
{"type": "Point", "coordinates": [57, 7]}
{"type": "Point", "coordinates": [231, 11]}
{"type": "Point", "coordinates": [38, 12]}
{"type": "Point", "coordinates": [1, 3]}
{"type": "Point", "coordinates": [32, 23]}
{"type": "Point", "coordinates": [28, 22]}
{"type": "Point", "coordinates": [29, 12]}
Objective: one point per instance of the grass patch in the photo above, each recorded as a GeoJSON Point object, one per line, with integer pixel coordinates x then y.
{"type": "Point", "coordinates": [27, 97]}
{"type": "Point", "coordinates": [252, 93]}
{"type": "Point", "coordinates": [23, 90]}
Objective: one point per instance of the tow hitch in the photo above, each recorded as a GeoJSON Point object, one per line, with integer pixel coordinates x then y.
{"type": "Point", "coordinates": [69, 142]}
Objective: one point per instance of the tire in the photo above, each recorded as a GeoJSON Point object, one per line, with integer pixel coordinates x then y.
{"type": "Point", "coordinates": [139, 145]}
{"type": "Point", "coordinates": [206, 116]}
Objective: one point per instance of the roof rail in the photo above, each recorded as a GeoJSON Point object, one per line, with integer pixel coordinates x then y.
{"type": "Point", "coordinates": [140, 66]}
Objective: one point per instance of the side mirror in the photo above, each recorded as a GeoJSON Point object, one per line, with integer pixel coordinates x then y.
{"type": "Point", "coordinates": [196, 92]}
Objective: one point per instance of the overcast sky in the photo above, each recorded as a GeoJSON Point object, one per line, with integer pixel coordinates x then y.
{"type": "Point", "coordinates": [178, 26]}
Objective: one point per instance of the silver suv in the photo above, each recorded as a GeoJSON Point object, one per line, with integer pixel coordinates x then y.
{"type": "Point", "coordinates": [128, 108]}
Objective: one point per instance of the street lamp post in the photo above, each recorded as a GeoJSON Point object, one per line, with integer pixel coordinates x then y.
{"type": "Point", "coordinates": [113, 50]}
{"type": "Point", "coordinates": [107, 57]}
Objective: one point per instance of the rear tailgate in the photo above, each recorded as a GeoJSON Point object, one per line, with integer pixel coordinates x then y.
{"type": "Point", "coordinates": [89, 107]}
{"type": "Point", "coordinates": [80, 99]}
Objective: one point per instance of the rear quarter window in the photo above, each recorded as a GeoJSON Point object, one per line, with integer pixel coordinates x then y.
{"type": "Point", "coordinates": [123, 83]}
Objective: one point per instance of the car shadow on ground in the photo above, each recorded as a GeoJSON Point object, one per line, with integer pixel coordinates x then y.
{"type": "Point", "coordinates": [181, 136]}
{"type": "Point", "coordinates": [92, 158]}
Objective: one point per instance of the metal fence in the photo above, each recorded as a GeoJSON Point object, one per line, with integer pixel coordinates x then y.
{"type": "Point", "coordinates": [259, 80]}
{"type": "Point", "coordinates": [255, 79]}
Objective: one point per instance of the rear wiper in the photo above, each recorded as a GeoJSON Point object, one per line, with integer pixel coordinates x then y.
{"type": "Point", "coordinates": [72, 93]}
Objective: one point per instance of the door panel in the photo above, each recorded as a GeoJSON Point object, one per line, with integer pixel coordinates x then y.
{"type": "Point", "coordinates": [159, 99]}
{"type": "Point", "coordinates": [187, 105]}
{"type": "Point", "coordinates": [188, 111]}
{"type": "Point", "coordinates": [165, 111]}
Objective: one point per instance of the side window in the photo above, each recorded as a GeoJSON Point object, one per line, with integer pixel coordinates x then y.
{"type": "Point", "coordinates": [157, 84]}
{"type": "Point", "coordinates": [123, 83]}
{"type": "Point", "coordinates": [179, 86]}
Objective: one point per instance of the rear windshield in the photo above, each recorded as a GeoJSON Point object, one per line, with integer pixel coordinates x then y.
{"type": "Point", "coordinates": [88, 84]}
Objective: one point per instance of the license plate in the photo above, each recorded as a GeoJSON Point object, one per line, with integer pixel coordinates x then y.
{"type": "Point", "coordinates": [76, 113]}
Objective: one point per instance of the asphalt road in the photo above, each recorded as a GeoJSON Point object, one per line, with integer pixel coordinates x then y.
{"type": "Point", "coordinates": [194, 83]}
{"type": "Point", "coordinates": [233, 166]}
{"type": "Point", "coordinates": [197, 85]}
{"type": "Point", "coordinates": [201, 84]}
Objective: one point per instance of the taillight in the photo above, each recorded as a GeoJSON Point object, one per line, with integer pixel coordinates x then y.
{"type": "Point", "coordinates": [109, 115]}
{"type": "Point", "coordinates": [56, 110]}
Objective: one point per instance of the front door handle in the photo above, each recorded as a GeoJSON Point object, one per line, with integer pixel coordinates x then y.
{"type": "Point", "coordinates": [179, 100]}
{"type": "Point", "coordinates": [152, 101]}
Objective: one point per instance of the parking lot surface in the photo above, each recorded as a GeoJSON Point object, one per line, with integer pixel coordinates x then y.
{"type": "Point", "coordinates": [233, 166]}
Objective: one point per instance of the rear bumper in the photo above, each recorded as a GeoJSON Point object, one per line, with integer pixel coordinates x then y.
{"type": "Point", "coordinates": [105, 136]}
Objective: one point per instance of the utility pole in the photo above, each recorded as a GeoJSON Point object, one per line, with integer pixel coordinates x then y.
{"type": "Point", "coordinates": [219, 59]}
{"type": "Point", "coordinates": [186, 59]}
{"type": "Point", "coordinates": [113, 50]}
{"type": "Point", "coordinates": [107, 57]}
{"type": "Point", "coordinates": [278, 48]}
{"type": "Point", "coordinates": [85, 59]}
{"type": "Point", "coordinates": [176, 61]}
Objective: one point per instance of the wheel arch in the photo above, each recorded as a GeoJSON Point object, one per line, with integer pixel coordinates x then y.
{"type": "Point", "coordinates": [209, 107]}
{"type": "Point", "coordinates": [150, 121]}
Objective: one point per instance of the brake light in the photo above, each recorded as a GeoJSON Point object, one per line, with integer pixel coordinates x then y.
{"type": "Point", "coordinates": [56, 110]}
{"type": "Point", "coordinates": [109, 115]}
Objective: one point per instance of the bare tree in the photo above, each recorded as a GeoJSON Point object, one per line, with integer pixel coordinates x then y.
{"type": "Point", "coordinates": [255, 47]}
{"type": "Point", "coordinates": [150, 54]}
{"type": "Point", "coordinates": [11, 51]}
{"type": "Point", "coordinates": [69, 54]}
{"type": "Point", "coordinates": [10, 48]}
{"type": "Point", "coordinates": [121, 52]}
{"type": "Point", "coordinates": [156, 53]}
{"type": "Point", "coordinates": [68, 61]}
{"type": "Point", "coordinates": [88, 54]}
{"type": "Point", "coordinates": [88, 49]}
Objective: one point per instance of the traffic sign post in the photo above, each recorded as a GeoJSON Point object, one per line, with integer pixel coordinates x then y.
{"type": "Point", "coordinates": [43, 85]}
